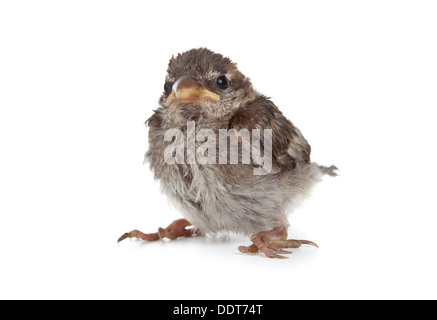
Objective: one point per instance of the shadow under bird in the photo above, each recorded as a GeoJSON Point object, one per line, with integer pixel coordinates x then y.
{"type": "Point", "coordinates": [206, 90]}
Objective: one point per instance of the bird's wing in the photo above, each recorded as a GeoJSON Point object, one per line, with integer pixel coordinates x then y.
{"type": "Point", "coordinates": [289, 147]}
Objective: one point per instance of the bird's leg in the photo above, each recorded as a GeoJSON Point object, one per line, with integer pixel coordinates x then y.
{"type": "Point", "coordinates": [272, 242]}
{"type": "Point", "coordinates": [177, 229]}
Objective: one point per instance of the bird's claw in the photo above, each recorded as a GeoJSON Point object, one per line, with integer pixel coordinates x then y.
{"type": "Point", "coordinates": [272, 243]}
{"type": "Point", "coordinates": [292, 243]}
{"type": "Point", "coordinates": [175, 230]}
{"type": "Point", "coordinates": [123, 237]}
{"type": "Point", "coordinates": [249, 250]}
{"type": "Point", "coordinates": [140, 235]}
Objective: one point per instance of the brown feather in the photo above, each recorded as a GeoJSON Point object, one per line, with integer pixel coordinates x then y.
{"type": "Point", "coordinates": [288, 144]}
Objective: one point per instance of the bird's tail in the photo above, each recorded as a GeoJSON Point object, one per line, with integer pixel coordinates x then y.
{"type": "Point", "coordinates": [329, 170]}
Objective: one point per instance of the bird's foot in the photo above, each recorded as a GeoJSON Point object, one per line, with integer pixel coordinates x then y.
{"type": "Point", "coordinates": [272, 243]}
{"type": "Point", "coordinates": [175, 230]}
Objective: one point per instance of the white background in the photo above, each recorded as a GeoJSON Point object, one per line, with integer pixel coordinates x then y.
{"type": "Point", "coordinates": [79, 78]}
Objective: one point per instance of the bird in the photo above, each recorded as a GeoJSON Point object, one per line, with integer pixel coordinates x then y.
{"type": "Point", "coordinates": [204, 96]}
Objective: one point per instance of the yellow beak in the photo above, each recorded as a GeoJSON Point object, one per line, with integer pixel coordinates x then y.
{"type": "Point", "coordinates": [186, 90]}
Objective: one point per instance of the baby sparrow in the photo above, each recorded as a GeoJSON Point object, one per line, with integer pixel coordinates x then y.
{"type": "Point", "coordinates": [227, 156]}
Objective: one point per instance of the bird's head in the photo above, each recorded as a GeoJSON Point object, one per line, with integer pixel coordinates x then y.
{"type": "Point", "coordinates": [201, 84]}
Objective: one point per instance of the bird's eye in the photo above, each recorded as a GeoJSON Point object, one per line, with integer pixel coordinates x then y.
{"type": "Point", "coordinates": [222, 82]}
{"type": "Point", "coordinates": [167, 87]}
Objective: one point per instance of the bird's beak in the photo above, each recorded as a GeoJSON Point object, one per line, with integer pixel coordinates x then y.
{"type": "Point", "coordinates": [187, 90]}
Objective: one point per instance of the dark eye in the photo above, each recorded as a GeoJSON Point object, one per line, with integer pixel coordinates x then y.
{"type": "Point", "coordinates": [222, 82]}
{"type": "Point", "coordinates": [167, 87]}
